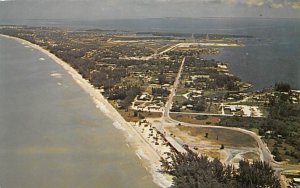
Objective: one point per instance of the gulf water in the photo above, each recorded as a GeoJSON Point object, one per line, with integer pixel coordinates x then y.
{"type": "Point", "coordinates": [52, 134]}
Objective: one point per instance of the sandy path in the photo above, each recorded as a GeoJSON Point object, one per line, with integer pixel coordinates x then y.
{"type": "Point", "coordinates": [150, 158]}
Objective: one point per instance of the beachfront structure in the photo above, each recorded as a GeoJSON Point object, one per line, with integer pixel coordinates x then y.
{"type": "Point", "coordinates": [296, 182]}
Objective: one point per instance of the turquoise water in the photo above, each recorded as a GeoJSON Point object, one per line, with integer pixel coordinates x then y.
{"type": "Point", "coordinates": [52, 134]}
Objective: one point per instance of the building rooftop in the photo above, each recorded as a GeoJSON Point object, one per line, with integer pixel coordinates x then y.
{"type": "Point", "coordinates": [296, 180]}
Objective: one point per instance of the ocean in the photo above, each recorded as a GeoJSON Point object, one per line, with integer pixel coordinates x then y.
{"type": "Point", "coordinates": [271, 55]}
{"type": "Point", "coordinates": [51, 132]}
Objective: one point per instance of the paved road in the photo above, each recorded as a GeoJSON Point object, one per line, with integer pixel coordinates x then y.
{"type": "Point", "coordinates": [201, 113]}
{"type": "Point", "coordinates": [173, 90]}
{"type": "Point", "coordinates": [168, 49]}
{"type": "Point", "coordinates": [265, 154]}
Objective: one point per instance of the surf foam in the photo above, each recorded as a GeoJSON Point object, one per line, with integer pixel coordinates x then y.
{"type": "Point", "coordinates": [56, 75]}
{"type": "Point", "coordinates": [118, 126]}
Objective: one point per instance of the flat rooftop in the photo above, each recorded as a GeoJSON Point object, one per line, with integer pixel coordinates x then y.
{"type": "Point", "coordinates": [175, 144]}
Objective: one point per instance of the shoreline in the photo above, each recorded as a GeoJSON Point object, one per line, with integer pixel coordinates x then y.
{"type": "Point", "coordinates": [149, 157]}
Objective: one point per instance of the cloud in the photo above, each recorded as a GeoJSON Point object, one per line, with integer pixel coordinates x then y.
{"type": "Point", "coordinates": [248, 3]}
{"type": "Point", "coordinates": [108, 9]}
{"type": "Point", "coordinates": [269, 3]}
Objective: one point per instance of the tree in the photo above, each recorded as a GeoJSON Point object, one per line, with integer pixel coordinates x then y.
{"type": "Point", "coordinates": [258, 174]}
{"type": "Point", "coordinates": [206, 135]}
{"type": "Point", "coordinates": [161, 79]}
{"type": "Point", "coordinates": [222, 146]}
{"type": "Point", "coordinates": [192, 171]}
{"type": "Point", "coordinates": [135, 113]}
{"type": "Point", "coordinates": [282, 87]}
{"type": "Point", "coordinates": [175, 108]}
{"type": "Point", "coordinates": [200, 105]}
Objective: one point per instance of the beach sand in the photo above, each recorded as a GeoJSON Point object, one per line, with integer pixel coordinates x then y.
{"type": "Point", "coordinates": [145, 152]}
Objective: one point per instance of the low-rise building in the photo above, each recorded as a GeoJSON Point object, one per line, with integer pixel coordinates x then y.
{"type": "Point", "coordinates": [296, 182]}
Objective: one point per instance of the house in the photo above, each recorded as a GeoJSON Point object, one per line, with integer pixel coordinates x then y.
{"type": "Point", "coordinates": [269, 132]}
{"type": "Point", "coordinates": [145, 97]}
{"type": "Point", "coordinates": [183, 107]}
{"type": "Point", "coordinates": [215, 99]}
{"type": "Point", "coordinates": [296, 182]}
{"type": "Point", "coordinates": [233, 108]}
{"type": "Point", "coordinates": [222, 66]}
{"type": "Point", "coordinates": [166, 85]}
{"type": "Point", "coordinates": [294, 100]}
{"type": "Point", "coordinates": [200, 76]}
{"type": "Point", "coordinates": [153, 107]}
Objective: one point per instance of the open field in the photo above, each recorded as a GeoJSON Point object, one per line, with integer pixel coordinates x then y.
{"type": "Point", "coordinates": [196, 135]}
{"type": "Point", "coordinates": [213, 153]}
{"type": "Point", "coordinates": [206, 120]}
{"type": "Point", "coordinates": [129, 115]}
{"type": "Point", "coordinates": [250, 155]}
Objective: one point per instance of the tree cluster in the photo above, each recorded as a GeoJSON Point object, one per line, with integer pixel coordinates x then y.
{"type": "Point", "coordinates": [282, 87]}
{"type": "Point", "coordinates": [160, 92]}
{"type": "Point", "coordinates": [124, 95]}
{"type": "Point", "coordinates": [190, 170]}
{"type": "Point", "coordinates": [199, 104]}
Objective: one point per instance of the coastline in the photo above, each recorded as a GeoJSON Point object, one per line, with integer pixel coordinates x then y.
{"type": "Point", "coordinates": [148, 156]}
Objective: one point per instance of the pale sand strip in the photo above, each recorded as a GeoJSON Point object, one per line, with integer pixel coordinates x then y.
{"type": "Point", "coordinates": [150, 157]}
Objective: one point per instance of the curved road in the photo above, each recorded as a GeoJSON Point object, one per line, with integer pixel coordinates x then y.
{"type": "Point", "coordinates": [265, 153]}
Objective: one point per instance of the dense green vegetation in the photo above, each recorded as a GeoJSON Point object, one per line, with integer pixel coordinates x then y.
{"type": "Point", "coordinates": [124, 96]}
{"type": "Point", "coordinates": [282, 87]}
{"type": "Point", "coordinates": [193, 171]}
{"type": "Point", "coordinates": [211, 77]}
{"type": "Point", "coordinates": [160, 92]}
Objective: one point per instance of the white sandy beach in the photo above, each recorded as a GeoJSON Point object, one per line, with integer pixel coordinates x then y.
{"type": "Point", "coordinates": [147, 154]}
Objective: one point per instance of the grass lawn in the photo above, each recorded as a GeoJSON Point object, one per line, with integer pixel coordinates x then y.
{"type": "Point", "coordinates": [209, 120]}
{"type": "Point", "coordinates": [213, 153]}
{"type": "Point", "coordinates": [129, 115]}
{"type": "Point", "coordinates": [215, 136]}
{"type": "Point", "coordinates": [181, 90]}
{"type": "Point", "coordinates": [179, 99]}
{"type": "Point", "coordinates": [251, 155]}
{"type": "Point", "coordinates": [255, 130]}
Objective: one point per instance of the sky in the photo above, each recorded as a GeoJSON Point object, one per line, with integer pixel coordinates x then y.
{"type": "Point", "coordinates": [120, 9]}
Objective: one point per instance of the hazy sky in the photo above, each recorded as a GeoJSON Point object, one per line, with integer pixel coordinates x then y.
{"type": "Point", "coordinates": [106, 9]}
